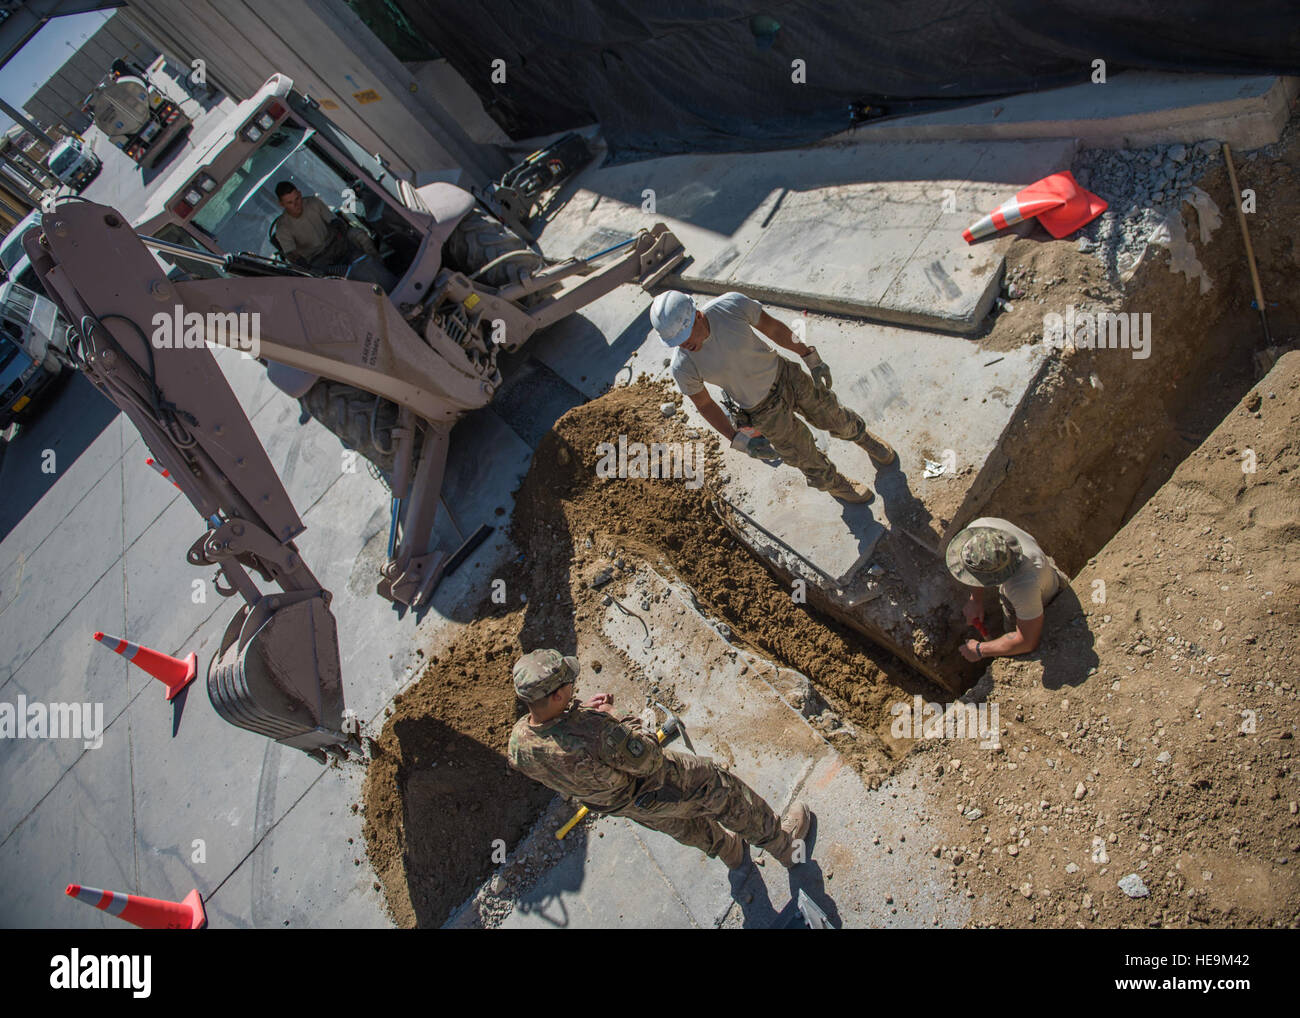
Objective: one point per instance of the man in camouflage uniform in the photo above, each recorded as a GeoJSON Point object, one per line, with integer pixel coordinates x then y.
{"type": "Point", "coordinates": [613, 765]}
{"type": "Point", "coordinates": [719, 344]}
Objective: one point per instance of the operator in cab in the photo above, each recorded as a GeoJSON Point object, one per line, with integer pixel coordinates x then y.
{"type": "Point", "coordinates": [310, 234]}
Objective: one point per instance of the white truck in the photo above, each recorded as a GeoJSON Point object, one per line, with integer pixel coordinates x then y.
{"type": "Point", "coordinates": [74, 163]}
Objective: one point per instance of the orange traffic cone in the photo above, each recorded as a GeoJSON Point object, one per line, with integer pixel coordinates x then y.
{"type": "Point", "coordinates": [147, 913]}
{"type": "Point", "coordinates": [1008, 214]}
{"type": "Point", "coordinates": [172, 672]}
{"type": "Point", "coordinates": [162, 470]}
{"type": "Point", "coordinates": [1060, 204]}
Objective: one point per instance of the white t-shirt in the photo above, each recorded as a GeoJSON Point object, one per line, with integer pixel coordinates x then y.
{"type": "Point", "coordinates": [734, 357]}
{"type": "Point", "coordinates": [1035, 583]}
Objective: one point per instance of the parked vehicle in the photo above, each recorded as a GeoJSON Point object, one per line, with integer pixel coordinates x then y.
{"type": "Point", "coordinates": [137, 118]}
{"type": "Point", "coordinates": [73, 162]}
{"type": "Point", "coordinates": [33, 351]}
{"type": "Point", "coordinates": [13, 259]}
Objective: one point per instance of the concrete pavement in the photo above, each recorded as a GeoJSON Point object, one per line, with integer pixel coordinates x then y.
{"type": "Point", "coordinates": [860, 228]}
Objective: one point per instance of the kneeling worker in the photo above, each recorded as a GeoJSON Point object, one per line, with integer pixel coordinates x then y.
{"type": "Point", "coordinates": [995, 553]}
{"type": "Point", "coordinates": [718, 344]}
{"type": "Point", "coordinates": [615, 766]}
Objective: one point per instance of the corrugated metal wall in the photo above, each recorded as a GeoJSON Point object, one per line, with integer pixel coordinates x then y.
{"type": "Point", "coordinates": [331, 55]}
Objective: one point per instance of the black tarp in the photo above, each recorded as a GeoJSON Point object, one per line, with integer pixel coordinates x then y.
{"type": "Point", "coordinates": [675, 77]}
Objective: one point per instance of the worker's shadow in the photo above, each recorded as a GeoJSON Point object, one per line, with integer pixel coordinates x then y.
{"type": "Point", "coordinates": [749, 891]}
{"type": "Point", "coordinates": [545, 898]}
{"type": "Point", "coordinates": [902, 510]}
{"type": "Point", "coordinates": [1068, 651]}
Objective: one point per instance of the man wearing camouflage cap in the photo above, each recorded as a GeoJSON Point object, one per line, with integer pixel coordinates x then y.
{"type": "Point", "coordinates": [996, 553]}
{"type": "Point", "coordinates": [613, 765]}
{"type": "Point", "coordinates": [719, 344]}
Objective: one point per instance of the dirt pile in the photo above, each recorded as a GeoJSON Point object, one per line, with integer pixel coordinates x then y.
{"type": "Point", "coordinates": [439, 792]}
{"type": "Point", "coordinates": [1154, 733]}
{"type": "Point", "coordinates": [566, 507]}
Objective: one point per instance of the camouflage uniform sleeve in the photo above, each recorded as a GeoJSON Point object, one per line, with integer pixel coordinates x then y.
{"type": "Point", "coordinates": [627, 747]}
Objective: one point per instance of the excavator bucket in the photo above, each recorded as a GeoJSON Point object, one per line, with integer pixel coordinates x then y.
{"type": "Point", "coordinates": [277, 673]}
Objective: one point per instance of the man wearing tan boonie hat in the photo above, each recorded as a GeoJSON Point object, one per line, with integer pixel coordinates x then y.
{"type": "Point", "coordinates": [996, 553]}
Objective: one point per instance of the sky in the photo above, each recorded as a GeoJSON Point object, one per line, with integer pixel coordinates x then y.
{"type": "Point", "coordinates": [44, 54]}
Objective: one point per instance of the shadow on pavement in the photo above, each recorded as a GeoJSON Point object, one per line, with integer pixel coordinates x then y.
{"type": "Point", "coordinates": [68, 423]}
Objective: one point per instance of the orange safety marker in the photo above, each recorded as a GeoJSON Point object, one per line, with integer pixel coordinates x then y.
{"type": "Point", "coordinates": [162, 470]}
{"type": "Point", "coordinates": [147, 913]}
{"type": "Point", "coordinates": [172, 672]}
{"type": "Point", "coordinates": [1060, 204]}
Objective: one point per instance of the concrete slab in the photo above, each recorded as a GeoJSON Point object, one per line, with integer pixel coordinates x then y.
{"type": "Point", "coordinates": [590, 889]}
{"type": "Point", "coordinates": [832, 228]}
{"type": "Point", "coordinates": [304, 873]}
{"type": "Point", "coordinates": [68, 667]}
{"type": "Point", "coordinates": [1131, 109]}
{"type": "Point", "coordinates": [81, 832]}
{"type": "Point", "coordinates": [60, 570]}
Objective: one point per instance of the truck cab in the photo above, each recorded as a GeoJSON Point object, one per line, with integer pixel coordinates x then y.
{"type": "Point", "coordinates": [72, 161]}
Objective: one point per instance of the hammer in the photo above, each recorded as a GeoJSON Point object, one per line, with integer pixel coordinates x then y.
{"type": "Point", "coordinates": [665, 733]}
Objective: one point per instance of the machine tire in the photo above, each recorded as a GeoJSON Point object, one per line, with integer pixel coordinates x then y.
{"type": "Point", "coordinates": [478, 239]}
{"type": "Point", "coordinates": [346, 411]}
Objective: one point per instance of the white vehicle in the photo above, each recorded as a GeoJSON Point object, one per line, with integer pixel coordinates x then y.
{"type": "Point", "coordinates": [72, 161]}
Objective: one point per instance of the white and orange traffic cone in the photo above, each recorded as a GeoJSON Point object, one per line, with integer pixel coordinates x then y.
{"type": "Point", "coordinates": [1008, 214]}
{"type": "Point", "coordinates": [162, 470]}
{"type": "Point", "coordinates": [1059, 203]}
{"type": "Point", "coordinates": [172, 672]}
{"type": "Point", "coordinates": [147, 913]}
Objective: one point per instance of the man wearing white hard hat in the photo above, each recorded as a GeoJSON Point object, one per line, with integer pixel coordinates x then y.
{"type": "Point", "coordinates": [717, 343]}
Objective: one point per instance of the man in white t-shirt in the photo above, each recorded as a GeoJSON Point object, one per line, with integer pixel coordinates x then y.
{"type": "Point", "coordinates": [718, 344]}
{"type": "Point", "coordinates": [996, 553]}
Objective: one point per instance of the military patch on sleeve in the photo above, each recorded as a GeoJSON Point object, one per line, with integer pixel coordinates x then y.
{"type": "Point", "coordinates": [635, 746]}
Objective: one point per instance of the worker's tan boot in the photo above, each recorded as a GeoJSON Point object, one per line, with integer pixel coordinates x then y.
{"type": "Point", "coordinates": [881, 452]}
{"type": "Point", "coordinates": [795, 825]}
{"type": "Point", "coordinates": [850, 491]}
{"type": "Point", "coordinates": [733, 851]}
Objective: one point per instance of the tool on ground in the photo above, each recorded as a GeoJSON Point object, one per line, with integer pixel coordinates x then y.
{"type": "Point", "coordinates": [468, 545]}
{"type": "Point", "coordinates": [147, 913]}
{"type": "Point", "coordinates": [812, 913]}
{"type": "Point", "coordinates": [1245, 237]}
{"type": "Point", "coordinates": [671, 728]}
{"type": "Point", "coordinates": [1058, 201]}
{"type": "Point", "coordinates": [173, 672]}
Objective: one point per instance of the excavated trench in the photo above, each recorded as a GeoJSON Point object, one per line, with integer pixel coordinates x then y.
{"type": "Point", "coordinates": [1097, 435]}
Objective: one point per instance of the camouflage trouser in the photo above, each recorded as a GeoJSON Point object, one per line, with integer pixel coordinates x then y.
{"type": "Point", "coordinates": [698, 799]}
{"type": "Point", "coordinates": [790, 437]}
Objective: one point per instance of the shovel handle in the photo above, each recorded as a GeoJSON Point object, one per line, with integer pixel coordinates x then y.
{"type": "Point", "coordinates": [576, 819]}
